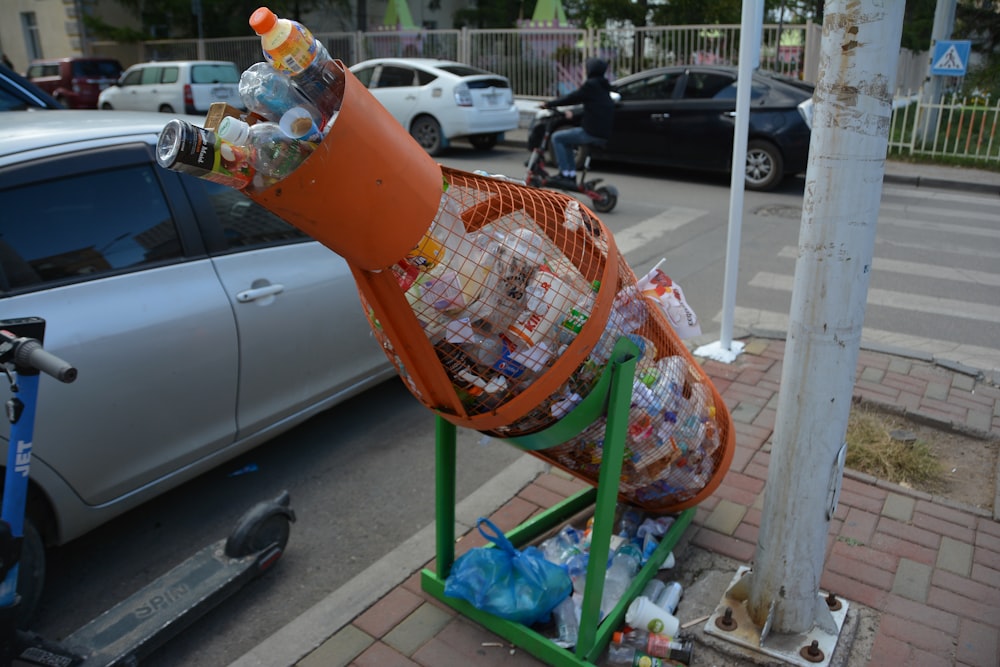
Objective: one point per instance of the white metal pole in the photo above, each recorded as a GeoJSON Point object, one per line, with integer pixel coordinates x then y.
{"type": "Point", "coordinates": [750, 30]}
{"type": "Point", "coordinates": [853, 102]}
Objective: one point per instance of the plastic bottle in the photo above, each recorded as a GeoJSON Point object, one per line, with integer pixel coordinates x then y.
{"type": "Point", "coordinates": [270, 94]}
{"type": "Point", "coordinates": [624, 566]}
{"type": "Point", "coordinates": [658, 646]}
{"type": "Point", "coordinates": [195, 150]}
{"type": "Point", "coordinates": [273, 154]}
{"type": "Point", "coordinates": [567, 622]}
{"type": "Point", "coordinates": [670, 597]}
{"type": "Point", "coordinates": [290, 47]}
{"type": "Point", "coordinates": [515, 258]}
{"type": "Point", "coordinates": [629, 656]}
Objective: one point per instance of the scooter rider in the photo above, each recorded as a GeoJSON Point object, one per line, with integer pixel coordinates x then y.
{"type": "Point", "coordinates": [598, 119]}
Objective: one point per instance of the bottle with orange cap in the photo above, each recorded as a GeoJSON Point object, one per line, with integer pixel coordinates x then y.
{"type": "Point", "coordinates": [291, 49]}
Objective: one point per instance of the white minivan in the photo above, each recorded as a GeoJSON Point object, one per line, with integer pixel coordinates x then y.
{"type": "Point", "coordinates": [174, 86]}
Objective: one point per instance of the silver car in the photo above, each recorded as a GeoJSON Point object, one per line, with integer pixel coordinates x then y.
{"type": "Point", "coordinates": [201, 324]}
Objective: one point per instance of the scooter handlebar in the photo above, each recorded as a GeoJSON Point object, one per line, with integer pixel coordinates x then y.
{"type": "Point", "coordinates": [29, 352]}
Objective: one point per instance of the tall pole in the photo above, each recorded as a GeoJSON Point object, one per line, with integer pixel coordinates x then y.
{"type": "Point", "coordinates": [853, 103]}
{"type": "Point", "coordinates": [750, 29]}
{"type": "Point", "coordinates": [944, 24]}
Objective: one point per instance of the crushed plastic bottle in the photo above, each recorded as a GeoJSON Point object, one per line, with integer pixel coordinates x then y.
{"type": "Point", "coordinates": [271, 95]}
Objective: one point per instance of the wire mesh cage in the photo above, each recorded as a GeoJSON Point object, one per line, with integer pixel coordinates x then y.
{"type": "Point", "coordinates": [509, 282]}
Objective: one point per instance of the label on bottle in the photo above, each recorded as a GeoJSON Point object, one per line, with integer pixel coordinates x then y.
{"type": "Point", "coordinates": [195, 150]}
{"type": "Point", "coordinates": [295, 53]}
{"type": "Point", "coordinates": [550, 299]}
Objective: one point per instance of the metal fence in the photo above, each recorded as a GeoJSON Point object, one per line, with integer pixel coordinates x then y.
{"type": "Point", "coordinates": [962, 127]}
{"type": "Point", "coordinates": [539, 61]}
{"type": "Point", "coordinates": [543, 62]}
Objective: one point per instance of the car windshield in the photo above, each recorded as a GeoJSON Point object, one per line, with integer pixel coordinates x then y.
{"type": "Point", "coordinates": [223, 73]}
{"type": "Point", "coordinates": [107, 69]}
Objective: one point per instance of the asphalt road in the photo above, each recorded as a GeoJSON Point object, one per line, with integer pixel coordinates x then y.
{"type": "Point", "coordinates": [361, 475]}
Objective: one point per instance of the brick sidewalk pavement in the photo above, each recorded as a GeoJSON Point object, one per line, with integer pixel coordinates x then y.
{"type": "Point", "coordinates": [921, 574]}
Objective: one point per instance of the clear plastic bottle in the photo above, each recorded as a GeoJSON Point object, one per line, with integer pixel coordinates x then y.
{"type": "Point", "coordinates": [629, 656]}
{"type": "Point", "coordinates": [567, 622]}
{"type": "Point", "coordinates": [270, 94]}
{"type": "Point", "coordinates": [624, 566]}
{"type": "Point", "coordinates": [289, 47]}
{"type": "Point", "coordinates": [273, 154]}
{"type": "Point", "coordinates": [670, 597]}
{"type": "Point", "coordinates": [658, 646]}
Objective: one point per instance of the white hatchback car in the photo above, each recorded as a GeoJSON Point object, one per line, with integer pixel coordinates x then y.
{"type": "Point", "coordinates": [441, 100]}
{"type": "Point", "coordinates": [174, 86]}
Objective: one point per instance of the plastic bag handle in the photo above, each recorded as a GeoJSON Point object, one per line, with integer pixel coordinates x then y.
{"type": "Point", "coordinates": [497, 538]}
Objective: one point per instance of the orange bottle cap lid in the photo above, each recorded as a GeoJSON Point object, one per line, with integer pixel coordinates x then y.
{"type": "Point", "coordinates": [262, 20]}
{"type": "Point", "coordinates": [617, 637]}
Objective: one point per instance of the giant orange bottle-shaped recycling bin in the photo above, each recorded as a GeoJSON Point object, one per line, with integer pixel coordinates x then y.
{"type": "Point", "coordinates": [500, 304]}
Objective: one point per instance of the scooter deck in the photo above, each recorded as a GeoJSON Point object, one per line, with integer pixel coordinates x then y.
{"type": "Point", "coordinates": [141, 623]}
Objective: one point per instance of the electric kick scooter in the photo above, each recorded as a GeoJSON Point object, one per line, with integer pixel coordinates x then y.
{"type": "Point", "coordinates": [135, 627]}
{"type": "Point", "coordinates": [603, 197]}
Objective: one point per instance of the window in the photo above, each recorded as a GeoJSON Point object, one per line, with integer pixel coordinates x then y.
{"type": "Point", "coordinates": [245, 224]}
{"type": "Point", "coordinates": [29, 26]}
{"type": "Point", "coordinates": [133, 78]}
{"type": "Point", "coordinates": [705, 85]}
{"type": "Point", "coordinates": [150, 75]}
{"type": "Point", "coordinates": [83, 226]}
{"type": "Point", "coordinates": [223, 73]}
{"type": "Point", "coordinates": [168, 75]}
{"type": "Point", "coordinates": [395, 77]}
{"type": "Point", "coordinates": [656, 87]}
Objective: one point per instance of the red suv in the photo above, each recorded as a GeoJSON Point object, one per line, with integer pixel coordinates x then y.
{"type": "Point", "coordinates": [76, 82]}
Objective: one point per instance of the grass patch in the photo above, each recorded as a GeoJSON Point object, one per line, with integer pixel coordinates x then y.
{"type": "Point", "coordinates": [872, 449]}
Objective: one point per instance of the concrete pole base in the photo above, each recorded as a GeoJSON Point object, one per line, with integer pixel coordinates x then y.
{"type": "Point", "coordinates": [731, 622]}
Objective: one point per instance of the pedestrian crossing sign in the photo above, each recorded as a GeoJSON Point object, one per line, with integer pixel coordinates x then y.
{"type": "Point", "coordinates": [951, 57]}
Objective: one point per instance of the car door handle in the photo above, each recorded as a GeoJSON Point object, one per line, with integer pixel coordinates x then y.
{"type": "Point", "coordinates": [731, 114]}
{"type": "Point", "coordinates": [659, 116]}
{"type": "Point", "coordinates": [246, 296]}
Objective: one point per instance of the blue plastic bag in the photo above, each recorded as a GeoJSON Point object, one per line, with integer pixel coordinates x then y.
{"type": "Point", "coordinates": [519, 586]}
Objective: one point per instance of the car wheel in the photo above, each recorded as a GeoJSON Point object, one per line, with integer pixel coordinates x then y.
{"type": "Point", "coordinates": [30, 574]}
{"type": "Point", "coordinates": [107, 106]}
{"type": "Point", "coordinates": [166, 108]}
{"type": "Point", "coordinates": [765, 169]}
{"type": "Point", "coordinates": [427, 132]}
{"type": "Point", "coordinates": [483, 142]}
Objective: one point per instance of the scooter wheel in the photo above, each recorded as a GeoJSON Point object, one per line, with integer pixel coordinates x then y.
{"type": "Point", "coordinates": [264, 525]}
{"type": "Point", "coordinates": [607, 199]}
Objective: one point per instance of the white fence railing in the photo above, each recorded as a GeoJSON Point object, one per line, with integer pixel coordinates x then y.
{"type": "Point", "coordinates": [540, 61]}
{"type": "Point", "coordinates": [543, 62]}
{"type": "Point", "coordinates": [955, 126]}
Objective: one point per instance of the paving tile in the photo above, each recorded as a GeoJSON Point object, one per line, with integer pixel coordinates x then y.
{"type": "Point", "coordinates": [912, 580]}
{"type": "Point", "coordinates": [339, 650]}
{"type": "Point", "coordinates": [726, 517]}
{"type": "Point", "coordinates": [898, 507]}
{"type": "Point", "coordinates": [417, 628]}
{"type": "Point", "coordinates": [955, 556]}
{"type": "Point", "coordinates": [387, 612]}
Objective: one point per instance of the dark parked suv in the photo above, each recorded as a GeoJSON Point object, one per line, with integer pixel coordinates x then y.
{"type": "Point", "coordinates": [75, 82]}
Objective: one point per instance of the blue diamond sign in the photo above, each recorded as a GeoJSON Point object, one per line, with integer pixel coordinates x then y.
{"type": "Point", "coordinates": [950, 57]}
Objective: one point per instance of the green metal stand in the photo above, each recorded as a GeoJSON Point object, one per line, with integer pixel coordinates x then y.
{"type": "Point", "coordinates": [594, 634]}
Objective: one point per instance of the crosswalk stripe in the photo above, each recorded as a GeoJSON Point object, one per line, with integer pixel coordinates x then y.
{"type": "Point", "coordinates": [889, 298]}
{"type": "Point", "coordinates": [940, 218]}
{"type": "Point", "coordinates": [919, 269]}
{"type": "Point", "coordinates": [641, 234]}
{"type": "Point", "coordinates": [973, 356]}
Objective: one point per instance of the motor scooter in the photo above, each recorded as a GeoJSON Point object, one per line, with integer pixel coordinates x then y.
{"type": "Point", "coordinates": [136, 626]}
{"type": "Point", "coordinates": [603, 197]}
